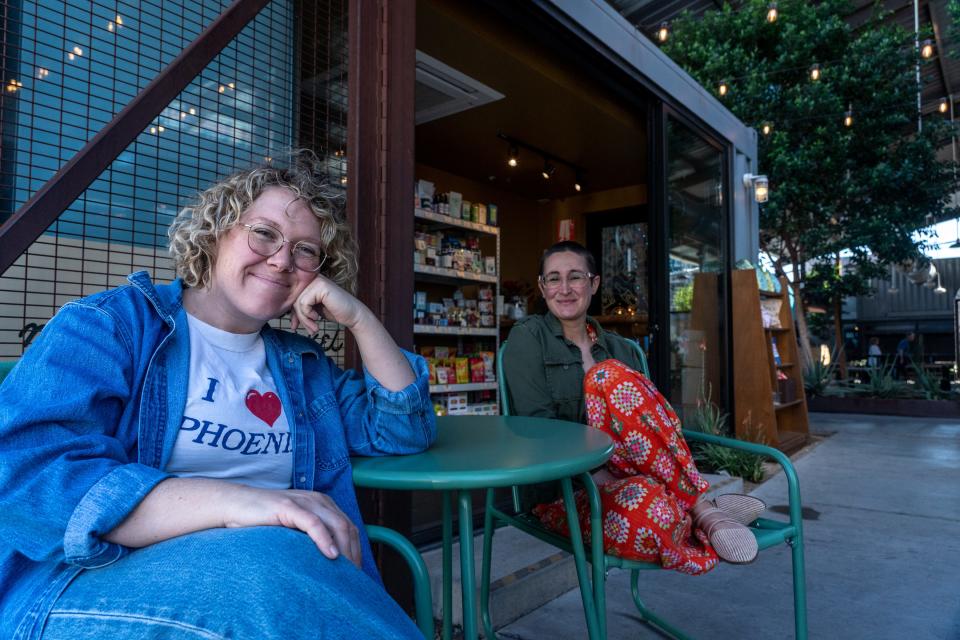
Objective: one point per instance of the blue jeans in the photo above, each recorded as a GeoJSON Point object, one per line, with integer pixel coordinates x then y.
{"type": "Point", "coordinates": [258, 583]}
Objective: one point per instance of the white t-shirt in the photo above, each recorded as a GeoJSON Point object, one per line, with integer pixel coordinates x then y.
{"type": "Point", "coordinates": [233, 426]}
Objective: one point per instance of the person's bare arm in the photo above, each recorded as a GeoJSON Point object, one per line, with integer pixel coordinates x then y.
{"type": "Point", "coordinates": [178, 506]}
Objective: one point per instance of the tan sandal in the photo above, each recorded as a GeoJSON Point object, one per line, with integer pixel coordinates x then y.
{"type": "Point", "coordinates": [732, 541]}
{"type": "Point", "coordinates": [742, 508]}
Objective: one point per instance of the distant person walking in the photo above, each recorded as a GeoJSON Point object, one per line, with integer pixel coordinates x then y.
{"type": "Point", "coordinates": [904, 355]}
{"type": "Point", "coordinates": [874, 353]}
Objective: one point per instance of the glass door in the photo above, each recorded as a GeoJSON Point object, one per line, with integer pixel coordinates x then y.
{"type": "Point", "coordinates": [696, 267]}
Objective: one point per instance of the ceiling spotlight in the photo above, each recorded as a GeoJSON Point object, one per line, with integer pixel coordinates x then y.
{"type": "Point", "coordinates": [663, 32]}
{"type": "Point", "coordinates": [772, 13]}
{"type": "Point", "coordinates": [815, 72]}
{"type": "Point", "coordinates": [723, 87]}
{"type": "Point", "coordinates": [926, 49]}
{"type": "Point", "coordinates": [548, 170]}
{"type": "Point", "coordinates": [944, 106]}
{"type": "Point", "coordinates": [578, 182]}
{"type": "Point", "coordinates": [512, 156]}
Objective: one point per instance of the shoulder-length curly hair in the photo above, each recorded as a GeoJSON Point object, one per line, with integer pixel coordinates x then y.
{"type": "Point", "coordinates": [195, 232]}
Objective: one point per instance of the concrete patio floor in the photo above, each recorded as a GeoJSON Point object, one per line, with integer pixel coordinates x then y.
{"type": "Point", "coordinates": [882, 528]}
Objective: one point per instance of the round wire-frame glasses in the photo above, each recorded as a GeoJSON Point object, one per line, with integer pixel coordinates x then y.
{"type": "Point", "coordinates": [266, 241]}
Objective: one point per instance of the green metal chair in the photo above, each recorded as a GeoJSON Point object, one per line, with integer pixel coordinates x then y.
{"type": "Point", "coordinates": [592, 590]}
{"type": "Point", "coordinates": [423, 600]}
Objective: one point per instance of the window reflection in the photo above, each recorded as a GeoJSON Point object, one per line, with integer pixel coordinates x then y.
{"type": "Point", "coordinates": [696, 213]}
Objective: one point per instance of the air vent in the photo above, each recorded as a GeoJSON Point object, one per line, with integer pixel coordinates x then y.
{"type": "Point", "coordinates": [442, 91]}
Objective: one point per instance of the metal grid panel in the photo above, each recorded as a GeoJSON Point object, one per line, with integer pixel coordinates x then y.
{"type": "Point", "coordinates": [68, 68]}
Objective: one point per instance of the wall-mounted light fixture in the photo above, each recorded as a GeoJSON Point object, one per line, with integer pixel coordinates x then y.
{"type": "Point", "coordinates": [926, 49]}
{"type": "Point", "coordinates": [550, 161]}
{"type": "Point", "coordinates": [759, 184]}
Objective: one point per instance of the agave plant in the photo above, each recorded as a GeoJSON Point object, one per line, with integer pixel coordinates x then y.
{"type": "Point", "coordinates": [817, 376]}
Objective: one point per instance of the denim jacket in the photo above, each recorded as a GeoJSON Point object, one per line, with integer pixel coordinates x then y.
{"type": "Point", "coordinates": [89, 417]}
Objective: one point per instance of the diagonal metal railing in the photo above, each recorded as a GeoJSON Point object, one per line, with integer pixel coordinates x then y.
{"type": "Point", "coordinates": [60, 191]}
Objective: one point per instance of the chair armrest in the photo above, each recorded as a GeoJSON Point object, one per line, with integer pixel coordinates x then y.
{"type": "Point", "coordinates": [422, 598]}
{"type": "Point", "coordinates": [793, 482]}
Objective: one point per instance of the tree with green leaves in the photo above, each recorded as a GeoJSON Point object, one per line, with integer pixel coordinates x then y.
{"type": "Point", "coordinates": [850, 171]}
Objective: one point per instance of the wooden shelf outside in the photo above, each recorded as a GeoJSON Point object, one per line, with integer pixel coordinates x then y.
{"type": "Point", "coordinates": [756, 416]}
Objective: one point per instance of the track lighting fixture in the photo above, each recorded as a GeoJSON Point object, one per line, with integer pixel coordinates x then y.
{"type": "Point", "coordinates": [513, 156]}
{"type": "Point", "coordinates": [551, 163]}
{"type": "Point", "coordinates": [548, 170]}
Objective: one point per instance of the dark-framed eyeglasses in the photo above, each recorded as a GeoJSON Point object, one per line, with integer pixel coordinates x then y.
{"type": "Point", "coordinates": [266, 241]}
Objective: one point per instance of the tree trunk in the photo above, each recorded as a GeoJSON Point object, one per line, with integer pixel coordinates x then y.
{"type": "Point", "coordinates": [838, 342]}
{"type": "Point", "coordinates": [803, 332]}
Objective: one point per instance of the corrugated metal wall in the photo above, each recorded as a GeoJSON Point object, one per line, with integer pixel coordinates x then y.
{"type": "Point", "coordinates": [912, 302]}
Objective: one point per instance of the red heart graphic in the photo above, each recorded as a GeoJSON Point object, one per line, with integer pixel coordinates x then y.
{"type": "Point", "coordinates": [266, 406]}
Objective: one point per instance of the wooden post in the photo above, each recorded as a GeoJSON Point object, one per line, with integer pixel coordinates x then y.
{"type": "Point", "coordinates": [379, 206]}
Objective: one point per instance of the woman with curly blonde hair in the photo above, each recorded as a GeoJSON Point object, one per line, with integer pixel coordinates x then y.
{"type": "Point", "coordinates": [191, 475]}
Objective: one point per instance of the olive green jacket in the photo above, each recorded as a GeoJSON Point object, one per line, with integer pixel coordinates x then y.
{"type": "Point", "coordinates": [544, 371]}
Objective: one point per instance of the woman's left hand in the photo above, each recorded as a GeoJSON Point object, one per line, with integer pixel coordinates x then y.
{"type": "Point", "coordinates": [324, 298]}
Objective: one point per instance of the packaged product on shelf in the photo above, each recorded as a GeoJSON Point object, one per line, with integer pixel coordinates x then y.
{"type": "Point", "coordinates": [476, 370]}
{"type": "Point", "coordinates": [482, 214]}
{"type": "Point", "coordinates": [431, 258]}
{"type": "Point", "coordinates": [425, 191]}
{"type": "Point", "coordinates": [474, 211]}
{"type": "Point", "coordinates": [446, 260]}
{"type": "Point", "coordinates": [463, 370]}
{"type": "Point", "coordinates": [432, 368]}
{"type": "Point", "coordinates": [426, 350]}
{"type": "Point", "coordinates": [441, 374]}
{"type": "Point", "coordinates": [487, 320]}
{"type": "Point", "coordinates": [441, 352]}
{"type": "Point", "coordinates": [492, 214]}
{"type": "Point", "coordinates": [490, 265]}
{"type": "Point", "coordinates": [485, 293]}
{"type": "Point", "coordinates": [489, 373]}
{"type": "Point", "coordinates": [454, 200]}
{"type": "Point", "coordinates": [458, 297]}
{"type": "Point", "coordinates": [456, 404]}
{"type": "Point", "coordinates": [465, 209]}
{"type": "Point", "coordinates": [439, 409]}
{"type": "Point", "coordinates": [476, 265]}
{"type": "Point", "coordinates": [420, 300]}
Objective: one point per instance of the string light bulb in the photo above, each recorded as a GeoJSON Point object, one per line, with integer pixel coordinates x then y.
{"type": "Point", "coordinates": [723, 88]}
{"type": "Point", "coordinates": [766, 128]}
{"type": "Point", "coordinates": [578, 182]}
{"type": "Point", "coordinates": [944, 106]}
{"type": "Point", "coordinates": [772, 13]}
{"type": "Point", "coordinates": [815, 72]}
{"type": "Point", "coordinates": [848, 117]}
{"type": "Point", "coordinates": [513, 156]}
{"type": "Point", "coordinates": [663, 32]}
{"type": "Point", "coordinates": [926, 49]}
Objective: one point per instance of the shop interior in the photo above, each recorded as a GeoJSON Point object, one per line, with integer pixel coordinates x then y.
{"type": "Point", "coordinates": [486, 92]}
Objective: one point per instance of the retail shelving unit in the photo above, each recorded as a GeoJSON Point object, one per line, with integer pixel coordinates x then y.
{"type": "Point", "coordinates": [440, 282]}
{"type": "Point", "coordinates": [769, 400]}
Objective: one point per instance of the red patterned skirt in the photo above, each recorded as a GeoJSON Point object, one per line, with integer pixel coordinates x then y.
{"type": "Point", "coordinates": [645, 511]}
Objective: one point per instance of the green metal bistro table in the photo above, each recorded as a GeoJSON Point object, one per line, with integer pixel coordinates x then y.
{"type": "Point", "coordinates": [485, 452]}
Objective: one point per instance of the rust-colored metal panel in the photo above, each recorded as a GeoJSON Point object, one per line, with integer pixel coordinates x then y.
{"type": "Point", "coordinates": [41, 210]}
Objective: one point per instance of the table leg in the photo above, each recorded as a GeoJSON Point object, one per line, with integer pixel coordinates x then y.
{"type": "Point", "coordinates": [467, 581]}
{"type": "Point", "coordinates": [447, 566]}
{"type": "Point", "coordinates": [596, 552]}
{"type": "Point", "coordinates": [587, 594]}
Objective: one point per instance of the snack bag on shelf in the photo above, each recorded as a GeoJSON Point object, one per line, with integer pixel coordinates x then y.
{"type": "Point", "coordinates": [489, 372]}
{"type": "Point", "coordinates": [432, 368]}
{"type": "Point", "coordinates": [463, 370]}
{"type": "Point", "coordinates": [476, 370]}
